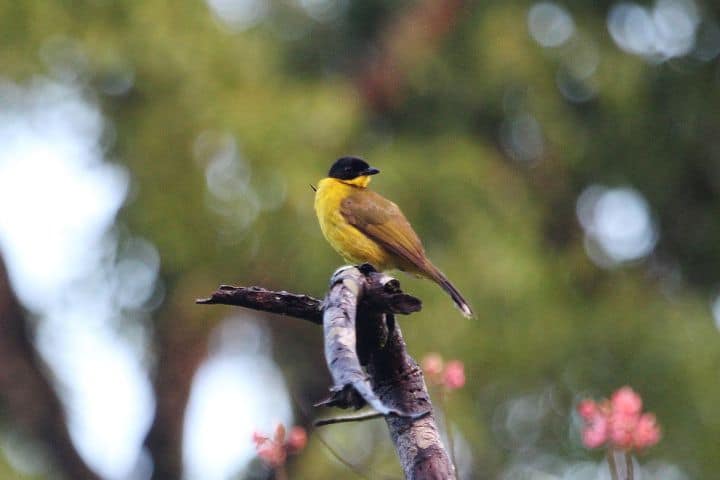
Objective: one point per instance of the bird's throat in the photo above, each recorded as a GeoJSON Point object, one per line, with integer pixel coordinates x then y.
{"type": "Point", "coordinates": [362, 181]}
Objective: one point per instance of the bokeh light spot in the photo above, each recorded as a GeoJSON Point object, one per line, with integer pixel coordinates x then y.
{"type": "Point", "coordinates": [715, 309]}
{"type": "Point", "coordinates": [550, 24]}
{"type": "Point", "coordinates": [136, 273]}
{"type": "Point", "coordinates": [574, 89]}
{"type": "Point", "coordinates": [618, 221]}
{"type": "Point", "coordinates": [229, 192]}
{"type": "Point", "coordinates": [58, 200]}
{"type": "Point", "coordinates": [707, 44]}
{"type": "Point", "coordinates": [109, 399]}
{"type": "Point", "coordinates": [238, 15]}
{"type": "Point", "coordinates": [666, 31]}
{"type": "Point", "coordinates": [581, 56]}
{"type": "Point", "coordinates": [323, 10]}
{"type": "Point", "coordinates": [522, 138]}
{"type": "Point", "coordinates": [236, 391]}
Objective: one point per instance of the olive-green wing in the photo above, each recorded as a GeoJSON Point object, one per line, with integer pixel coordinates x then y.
{"type": "Point", "coordinates": [382, 221]}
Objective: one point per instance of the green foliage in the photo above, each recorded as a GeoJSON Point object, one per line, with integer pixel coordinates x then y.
{"type": "Point", "coordinates": [549, 320]}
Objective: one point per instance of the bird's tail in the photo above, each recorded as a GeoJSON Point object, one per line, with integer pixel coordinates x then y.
{"type": "Point", "coordinates": [438, 277]}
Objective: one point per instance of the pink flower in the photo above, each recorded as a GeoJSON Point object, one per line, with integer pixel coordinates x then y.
{"type": "Point", "coordinates": [626, 407]}
{"type": "Point", "coordinates": [454, 375]}
{"type": "Point", "coordinates": [647, 432]}
{"type": "Point", "coordinates": [274, 451]}
{"type": "Point", "coordinates": [618, 422]}
{"type": "Point", "coordinates": [450, 375]}
{"type": "Point", "coordinates": [297, 439]}
{"type": "Point", "coordinates": [622, 428]}
{"type": "Point", "coordinates": [279, 436]}
{"type": "Point", "coordinates": [625, 401]}
{"type": "Point", "coordinates": [432, 365]}
{"type": "Point", "coordinates": [595, 432]}
{"type": "Point", "coordinates": [272, 454]}
{"type": "Point", "coordinates": [587, 409]}
{"type": "Point", "coordinates": [258, 438]}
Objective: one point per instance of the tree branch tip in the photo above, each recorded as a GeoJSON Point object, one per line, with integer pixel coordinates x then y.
{"type": "Point", "coordinates": [337, 273]}
{"type": "Point", "coordinates": [350, 418]}
{"type": "Point", "coordinates": [342, 397]}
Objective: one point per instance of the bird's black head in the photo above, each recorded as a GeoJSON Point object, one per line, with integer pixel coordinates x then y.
{"type": "Point", "coordinates": [347, 168]}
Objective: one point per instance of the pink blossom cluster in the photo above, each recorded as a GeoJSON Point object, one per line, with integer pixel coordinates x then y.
{"type": "Point", "coordinates": [274, 451]}
{"type": "Point", "coordinates": [450, 375]}
{"type": "Point", "coordinates": [618, 422]}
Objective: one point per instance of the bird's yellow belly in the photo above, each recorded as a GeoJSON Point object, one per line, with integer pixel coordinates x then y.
{"type": "Point", "coordinates": [347, 240]}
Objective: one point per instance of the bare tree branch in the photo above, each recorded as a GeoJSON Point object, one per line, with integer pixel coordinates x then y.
{"type": "Point", "coordinates": [391, 382]}
{"type": "Point", "coordinates": [399, 383]}
{"type": "Point", "coordinates": [282, 303]}
{"type": "Point", "coordinates": [361, 417]}
{"type": "Point", "coordinates": [341, 355]}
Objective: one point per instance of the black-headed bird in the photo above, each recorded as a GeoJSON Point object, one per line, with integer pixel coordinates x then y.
{"type": "Point", "coordinates": [364, 227]}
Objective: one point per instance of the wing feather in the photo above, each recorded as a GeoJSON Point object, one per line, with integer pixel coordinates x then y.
{"type": "Point", "coordinates": [383, 221]}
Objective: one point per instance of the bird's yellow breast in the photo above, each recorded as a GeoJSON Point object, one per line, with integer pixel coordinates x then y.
{"type": "Point", "coordinates": [353, 245]}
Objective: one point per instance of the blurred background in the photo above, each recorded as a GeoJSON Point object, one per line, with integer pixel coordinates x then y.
{"type": "Point", "coordinates": [561, 162]}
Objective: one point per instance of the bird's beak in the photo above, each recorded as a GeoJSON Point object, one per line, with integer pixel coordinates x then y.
{"type": "Point", "coordinates": [370, 171]}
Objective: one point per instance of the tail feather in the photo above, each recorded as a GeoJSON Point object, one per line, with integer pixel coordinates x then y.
{"type": "Point", "coordinates": [460, 302]}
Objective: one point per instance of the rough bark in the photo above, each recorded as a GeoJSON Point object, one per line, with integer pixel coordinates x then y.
{"type": "Point", "coordinates": [352, 386]}
{"type": "Point", "coordinates": [361, 330]}
{"type": "Point", "coordinates": [282, 303]}
{"type": "Point", "coordinates": [399, 383]}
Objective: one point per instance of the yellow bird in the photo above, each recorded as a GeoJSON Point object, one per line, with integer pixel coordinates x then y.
{"type": "Point", "coordinates": [364, 227]}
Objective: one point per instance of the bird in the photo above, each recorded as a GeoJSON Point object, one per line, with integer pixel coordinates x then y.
{"type": "Point", "coordinates": [365, 227]}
